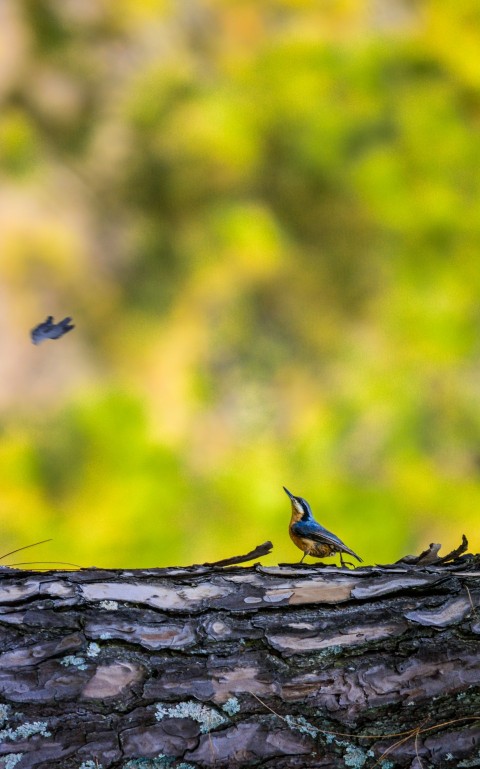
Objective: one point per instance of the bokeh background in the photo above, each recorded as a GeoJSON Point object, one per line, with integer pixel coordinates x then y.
{"type": "Point", "coordinates": [264, 218]}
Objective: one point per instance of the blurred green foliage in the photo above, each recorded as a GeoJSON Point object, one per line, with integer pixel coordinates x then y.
{"type": "Point", "coordinates": [265, 220]}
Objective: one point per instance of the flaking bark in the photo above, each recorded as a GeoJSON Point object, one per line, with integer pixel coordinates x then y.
{"type": "Point", "coordinates": [226, 667]}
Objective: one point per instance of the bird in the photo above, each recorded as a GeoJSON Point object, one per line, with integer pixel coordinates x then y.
{"type": "Point", "coordinates": [309, 536]}
{"type": "Point", "coordinates": [50, 330]}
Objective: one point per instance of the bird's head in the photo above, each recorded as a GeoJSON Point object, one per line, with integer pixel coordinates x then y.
{"type": "Point", "coordinates": [301, 510]}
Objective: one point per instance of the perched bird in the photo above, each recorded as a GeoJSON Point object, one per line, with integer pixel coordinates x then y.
{"type": "Point", "coordinates": [50, 330]}
{"type": "Point", "coordinates": [309, 536]}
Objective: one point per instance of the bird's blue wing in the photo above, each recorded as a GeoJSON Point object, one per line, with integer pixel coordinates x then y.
{"type": "Point", "coordinates": [312, 530]}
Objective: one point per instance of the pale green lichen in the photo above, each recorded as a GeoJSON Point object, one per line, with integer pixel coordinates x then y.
{"type": "Point", "coordinates": [10, 760]}
{"type": "Point", "coordinates": [4, 714]}
{"type": "Point", "coordinates": [355, 757]}
{"type": "Point", "coordinates": [231, 706]}
{"type": "Point", "coordinates": [72, 661]}
{"type": "Point", "coordinates": [90, 765]}
{"type": "Point", "coordinates": [208, 718]}
{"type": "Point", "coordinates": [160, 762]}
{"type": "Point", "coordinates": [449, 757]}
{"type": "Point", "coordinates": [387, 764]}
{"type": "Point", "coordinates": [93, 649]}
{"type": "Point", "coordinates": [325, 655]}
{"type": "Point", "coordinates": [300, 724]}
{"type": "Point", "coordinates": [329, 738]}
{"type": "Point", "coordinates": [333, 649]}
{"type": "Point", "coordinates": [109, 605]}
{"type": "Point", "coordinates": [25, 731]}
{"type": "Point", "coordinates": [105, 636]}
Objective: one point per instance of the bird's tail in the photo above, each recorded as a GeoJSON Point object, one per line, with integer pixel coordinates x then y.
{"type": "Point", "coordinates": [346, 549]}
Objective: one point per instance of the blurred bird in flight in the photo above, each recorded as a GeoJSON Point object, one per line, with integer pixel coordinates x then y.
{"type": "Point", "coordinates": [50, 330]}
{"type": "Point", "coordinates": [309, 536]}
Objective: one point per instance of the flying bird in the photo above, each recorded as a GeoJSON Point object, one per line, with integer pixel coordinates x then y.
{"type": "Point", "coordinates": [50, 330]}
{"type": "Point", "coordinates": [309, 536]}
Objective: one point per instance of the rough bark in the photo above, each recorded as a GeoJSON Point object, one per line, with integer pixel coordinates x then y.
{"type": "Point", "coordinates": [265, 667]}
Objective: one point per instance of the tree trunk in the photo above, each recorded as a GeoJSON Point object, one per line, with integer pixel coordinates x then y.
{"type": "Point", "coordinates": [226, 667]}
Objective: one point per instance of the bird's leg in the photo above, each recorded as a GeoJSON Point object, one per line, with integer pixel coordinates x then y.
{"type": "Point", "coordinates": [303, 556]}
{"type": "Point", "coordinates": [345, 563]}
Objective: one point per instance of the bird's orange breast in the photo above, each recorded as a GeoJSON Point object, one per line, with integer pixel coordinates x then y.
{"type": "Point", "coordinates": [310, 547]}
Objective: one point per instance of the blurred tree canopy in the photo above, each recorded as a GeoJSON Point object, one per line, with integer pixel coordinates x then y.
{"type": "Point", "coordinates": [265, 221]}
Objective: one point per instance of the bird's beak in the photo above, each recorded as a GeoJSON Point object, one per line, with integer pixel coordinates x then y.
{"type": "Point", "coordinates": [289, 493]}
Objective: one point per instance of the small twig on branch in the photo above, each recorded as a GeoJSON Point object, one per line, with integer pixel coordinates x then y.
{"type": "Point", "coordinates": [430, 557]}
{"type": "Point", "coordinates": [457, 552]}
{"type": "Point", "coordinates": [32, 563]}
{"type": "Point", "coordinates": [474, 611]}
{"type": "Point", "coordinates": [260, 550]}
{"type": "Point", "coordinates": [25, 547]}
